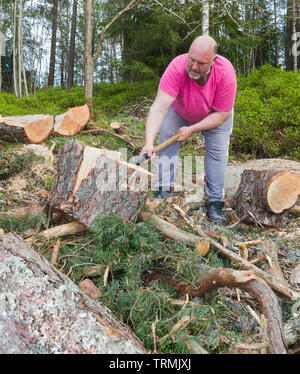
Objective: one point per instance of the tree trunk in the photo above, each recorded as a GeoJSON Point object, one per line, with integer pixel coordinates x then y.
{"type": "Point", "coordinates": [91, 181]}
{"type": "Point", "coordinates": [264, 195]}
{"type": "Point", "coordinates": [47, 313]}
{"type": "Point", "coordinates": [72, 47]}
{"type": "Point", "coordinates": [88, 58]}
{"type": "Point", "coordinates": [205, 17]}
{"type": "Point", "coordinates": [62, 47]}
{"type": "Point", "coordinates": [53, 43]}
{"type": "Point", "coordinates": [14, 12]}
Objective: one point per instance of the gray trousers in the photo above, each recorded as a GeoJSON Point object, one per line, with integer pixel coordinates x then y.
{"type": "Point", "coordinates": [216, 154]}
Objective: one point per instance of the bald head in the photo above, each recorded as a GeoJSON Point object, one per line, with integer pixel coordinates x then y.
{"type": "Point", "coordinates": [204, 44]}
{"type": "Point", "coordinates": [201, 57]}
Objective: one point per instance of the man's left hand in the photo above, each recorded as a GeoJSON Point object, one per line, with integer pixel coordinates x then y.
{"type": "Point", "coordinates": [185, 132]}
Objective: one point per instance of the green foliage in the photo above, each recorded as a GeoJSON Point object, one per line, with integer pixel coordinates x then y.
{"type": "Point", "coordinates": [108, 98]}
{"type": "Point", "coordinates": [267, 114]}
{"type": "Point", "coordinates": [131, 251]}
{"type": "Point", "coordinates": [19, 224]}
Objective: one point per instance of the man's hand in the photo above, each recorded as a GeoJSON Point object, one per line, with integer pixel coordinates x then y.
{"type": "Point", "coordinates": [147, 149]}
{"type": "Point", "coordinates": [185, 132]}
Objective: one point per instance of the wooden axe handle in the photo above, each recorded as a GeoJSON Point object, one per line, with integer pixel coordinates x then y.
{"type": "Point", "coordinates": [166, 143]}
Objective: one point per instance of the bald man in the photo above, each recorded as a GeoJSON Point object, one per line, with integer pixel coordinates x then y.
{"type": "Point", "coordinates": [196, 94]}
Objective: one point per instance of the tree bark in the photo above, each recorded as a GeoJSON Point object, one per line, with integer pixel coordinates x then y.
{"type": "Point", "coordinates": [91, 181]}
{"type": "Point", "coordinates": [205, 17]}
{"type": "Point", "coordinates": [47, 313]}
{"type": "Point", "coordinates": [53, 43]}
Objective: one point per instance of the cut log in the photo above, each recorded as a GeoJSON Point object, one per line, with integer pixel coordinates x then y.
{"type": "Point", "coordinates": [73, 121]}
{"type": "Point", "coordinates": [264, 195]}
{"type": "Point", "coordinates": [91, 181]}
{"type": "Point", "coordinates": [33, 129]}
{"type": "Point", "coordinates": [43, 312]}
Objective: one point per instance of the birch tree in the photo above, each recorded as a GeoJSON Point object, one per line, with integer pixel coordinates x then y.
{"type": "Point", "coordinates": [205, 17]}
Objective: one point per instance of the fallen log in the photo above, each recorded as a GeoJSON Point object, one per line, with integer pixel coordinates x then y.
{"type": "Point", "coordinates": [47, 313]}
{"type": "Point", "coordinates": [91, 181]}
{"type": "Point", "coordinates": [71, 228]}
{"type": "Point", "coordinates": [263, 195]}
{"type": "Point", "coordinates": [273, 282]}
{"type": "Point", "coordinates": [73, 121]}
{"type": "Point", "coordinates": [33, 129]}
{"type": "Point", "coordinates": [174, 232]}
{"type": "Point", "coordinates": [245, 280]}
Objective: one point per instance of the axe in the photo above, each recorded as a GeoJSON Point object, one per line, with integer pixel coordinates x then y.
{"type": "Point", "coordinates": [163, 145]}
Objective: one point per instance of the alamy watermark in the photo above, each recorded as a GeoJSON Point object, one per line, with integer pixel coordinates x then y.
{"type": "Point", "coordinates": [186, 172]}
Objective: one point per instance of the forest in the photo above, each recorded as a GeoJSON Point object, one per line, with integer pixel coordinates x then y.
{"type": "Point", "coordinates": [173, 281]}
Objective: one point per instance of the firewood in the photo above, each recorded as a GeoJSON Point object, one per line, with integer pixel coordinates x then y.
{"type": "Point", "coordinates": [73, 121]}
{"type": "Point", "coordinates": [48, 313]}
{"type": "Point", "coordinates": [33, 129]}
{"type": "Point", "coordinates": [264, 195]}
{"type": "Point", "coordinates": [91, 181]}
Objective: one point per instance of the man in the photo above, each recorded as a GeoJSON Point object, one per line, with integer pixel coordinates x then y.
{"type": "Point", "coordinates": [196, 94]}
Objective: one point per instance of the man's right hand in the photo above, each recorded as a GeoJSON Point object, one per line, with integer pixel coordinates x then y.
{"type": "Point", "coordinates": [147, 149]}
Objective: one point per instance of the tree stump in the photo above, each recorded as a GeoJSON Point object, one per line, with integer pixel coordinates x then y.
{"type": "Point", "coordinates": [33, 129]}
{"type": "Point", "coordinates": [263, 195]}
{"type": "Point", "coordinates": [43, 312]}
{"type": "Point", "coordinates": [91, 181]}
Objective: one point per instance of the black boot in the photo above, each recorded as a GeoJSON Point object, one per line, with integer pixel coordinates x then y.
{"type": "Point", "coordinates": [162, 194]}
{"type": "Point", "coordinates": [214, 213]}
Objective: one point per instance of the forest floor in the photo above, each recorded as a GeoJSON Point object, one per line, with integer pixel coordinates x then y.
{"type": "Point", "coordinates": [220, 321]}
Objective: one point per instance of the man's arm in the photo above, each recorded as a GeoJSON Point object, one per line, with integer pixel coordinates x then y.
{"type": "Point", "coordinates": [213, 120]}
{"type": "Point", "coordinates": [157, 112]}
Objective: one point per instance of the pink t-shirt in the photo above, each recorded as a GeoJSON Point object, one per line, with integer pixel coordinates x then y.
{"type": "Point", "coordinates": [194, 102]}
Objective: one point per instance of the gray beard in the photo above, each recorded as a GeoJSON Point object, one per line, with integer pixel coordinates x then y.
{"type": "Point", "coordinates": [199, 76]}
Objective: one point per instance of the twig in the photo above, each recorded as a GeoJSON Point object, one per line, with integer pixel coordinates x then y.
{"type": "Point", "coordinates": [55, 252]}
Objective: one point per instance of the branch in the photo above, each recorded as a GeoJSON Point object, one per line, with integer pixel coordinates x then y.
{"type": "Point", "coordinates": [131, 5]}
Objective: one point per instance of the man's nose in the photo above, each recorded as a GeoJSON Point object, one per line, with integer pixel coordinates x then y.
{"type": "Point", "coordinates": [195, 65]}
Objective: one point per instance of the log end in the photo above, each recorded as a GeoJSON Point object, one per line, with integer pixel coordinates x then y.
{"type": "Point", "coordinates": [283, 191]}
{"type": "Point", "coordinates": [73, 121]}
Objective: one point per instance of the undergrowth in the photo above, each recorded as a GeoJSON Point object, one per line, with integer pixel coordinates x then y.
{"type": "Point", "coordinates": [149, 308]}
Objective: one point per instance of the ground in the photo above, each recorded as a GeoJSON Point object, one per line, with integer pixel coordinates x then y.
{"type": "Point", "coordinates": [29, 183]}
